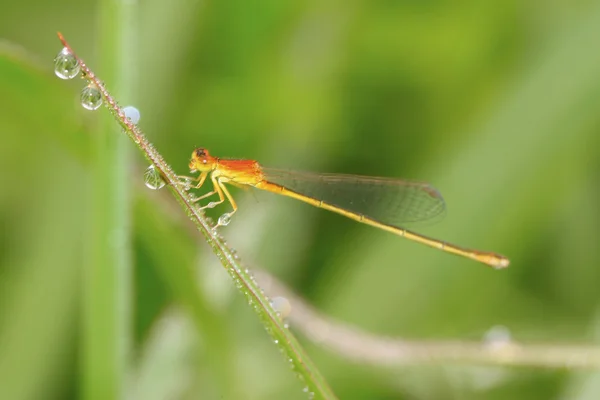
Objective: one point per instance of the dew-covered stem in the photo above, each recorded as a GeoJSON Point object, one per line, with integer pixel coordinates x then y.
{"type": "Point", "coordinates": [314, 384]}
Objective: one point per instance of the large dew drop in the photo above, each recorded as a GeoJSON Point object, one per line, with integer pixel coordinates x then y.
{"type": "Point", "coordinates": [132, 113]}
{"type": "Point", "coordinates": [152, 178]}
{"type": "Point", "coordinates": [66, 65]}
{"type": "Point", "coordinates": [91, 98]}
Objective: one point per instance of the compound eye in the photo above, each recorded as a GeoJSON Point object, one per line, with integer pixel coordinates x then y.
{"type": "Point", "coordinates": [201, 153]}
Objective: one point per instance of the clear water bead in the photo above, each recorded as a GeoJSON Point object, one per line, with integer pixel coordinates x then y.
{"type": "Point", "coordinates": [152, 178]}
{"type": "Point", "coordinates": [186, 184]}
{"type": "Point", "coordinates": [224, 219]}
{"type": "Point", "coordinates": [91, 98]}
{"type": "Point", "coordinates": [66, 65]}
{"type": "Point", "coordinates": [212, 204]}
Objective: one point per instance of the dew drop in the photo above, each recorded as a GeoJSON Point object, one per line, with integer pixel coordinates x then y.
{"type": "Point", "coordinates": [132, 113]}
{"type": "Point", "coordinates": [186, 184]}
{"type": "Point", "coordinates": [233, 255]}
{"type": "Point", "coordinates": [66, 65]}
{"type": "Point", "coordinates": [91, 98]}
{"type": "Point", "coordinates": [152, 178]}
{"type": "Point", "coordinates": [224, 219]}
{"type": "Point", "coordinates": [282, 306]}
{"type": "Point", "coordinates": [497, 338]}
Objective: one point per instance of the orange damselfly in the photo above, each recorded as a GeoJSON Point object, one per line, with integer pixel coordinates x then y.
{"type": "Point", "coordinates": [384, 203]}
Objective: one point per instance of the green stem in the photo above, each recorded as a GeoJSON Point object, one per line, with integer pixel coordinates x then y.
{"type": "Point", "coordinates": [315, 384]}
{"type": "Point", "coordinates": [108, 289]}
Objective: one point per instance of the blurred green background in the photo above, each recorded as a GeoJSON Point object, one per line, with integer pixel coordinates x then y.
{"type": "Point", "coordinates": [495, 103]}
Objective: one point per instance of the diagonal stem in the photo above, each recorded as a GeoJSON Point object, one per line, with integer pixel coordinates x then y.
{"type": "Point", "coordinates": [315, 384]}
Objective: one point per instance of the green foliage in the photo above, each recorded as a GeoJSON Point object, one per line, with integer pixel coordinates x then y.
{"type": "Point", "coordinates": [495, 103]}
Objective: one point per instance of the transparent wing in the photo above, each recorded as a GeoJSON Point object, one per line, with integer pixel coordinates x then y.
{"type": "Point", "coordinates": [390, 201]}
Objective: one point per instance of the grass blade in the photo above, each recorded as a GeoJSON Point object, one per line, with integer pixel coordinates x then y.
{"type": "Point", "coordinates": [316, 386]}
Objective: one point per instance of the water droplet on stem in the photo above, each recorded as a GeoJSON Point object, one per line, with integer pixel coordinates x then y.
{"type": "Point", "coordinates": [132, 113]}
{"type": "Point", "coordinates": [91, 98]}
{"type": "Point", "coordinates": [282, 306]}
{"type": "Point", "coordinates": [152, 178]}
{"type": "Point", "coordinates": [498, 338]}
{"type": "Point", "coordinates": [66, 65]}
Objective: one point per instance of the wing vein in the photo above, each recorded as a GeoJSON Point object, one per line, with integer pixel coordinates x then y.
{"type": "Point", "coordinates": [390, 201]}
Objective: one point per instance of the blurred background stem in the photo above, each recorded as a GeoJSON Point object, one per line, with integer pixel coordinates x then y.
{"type": "Point", "coordinates": [108, 288]}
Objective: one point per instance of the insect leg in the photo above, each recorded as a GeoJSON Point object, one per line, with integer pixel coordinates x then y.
{"type": "Point", "coordinates": [216, 189]}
